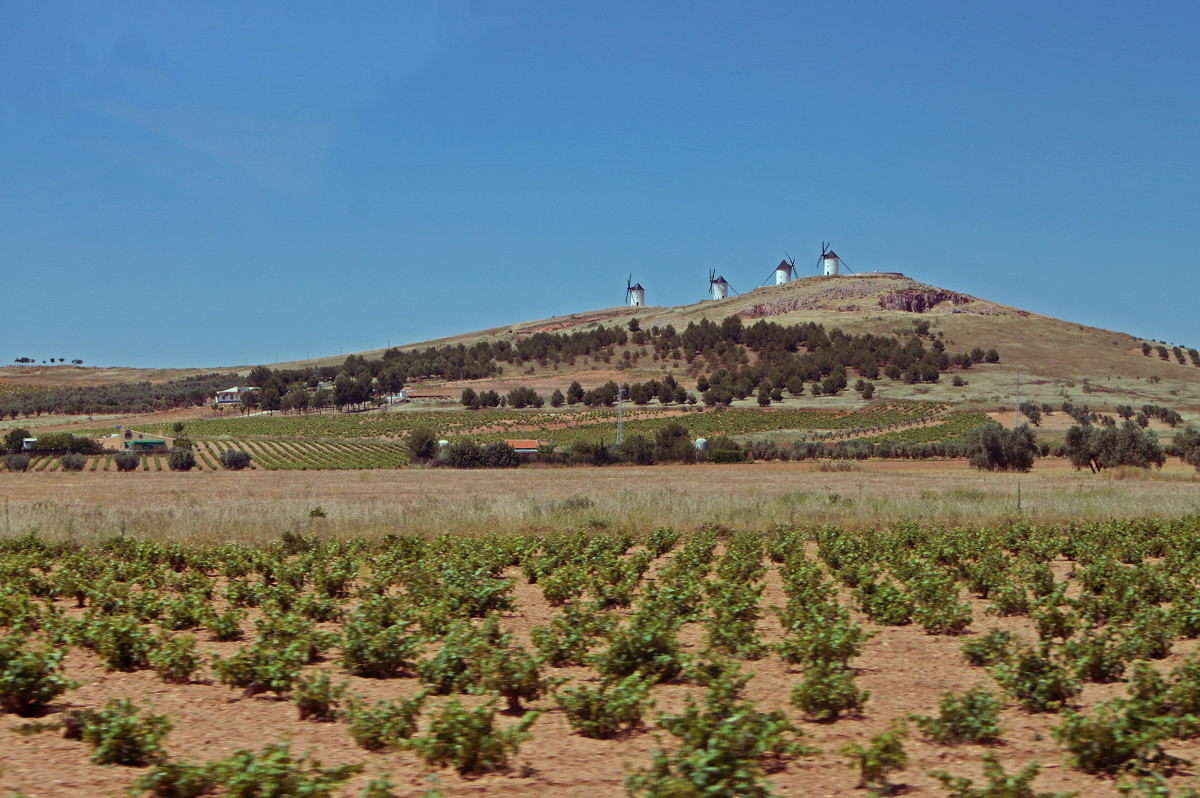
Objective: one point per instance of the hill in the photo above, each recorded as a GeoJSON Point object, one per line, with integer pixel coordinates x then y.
{"type": "Point", "coordinates": [1057, 360]}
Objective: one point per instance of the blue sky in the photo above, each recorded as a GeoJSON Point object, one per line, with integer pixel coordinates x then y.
{"type": "Point", "coordinates": [222, 183]}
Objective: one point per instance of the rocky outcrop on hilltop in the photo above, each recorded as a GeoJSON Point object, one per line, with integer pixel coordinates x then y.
{"type": "Point", "coordinates": [919, 300]}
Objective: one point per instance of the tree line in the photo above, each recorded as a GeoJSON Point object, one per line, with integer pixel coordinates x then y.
{"type": "Point", "coordinates": [137, 397]}
{"type": "Point", "coordinates": [785, 357]}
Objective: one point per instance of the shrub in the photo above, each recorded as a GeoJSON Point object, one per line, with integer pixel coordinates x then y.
{"type": "Point", "coordinates": [722, 747]}
{"type": "Point", "coordinates": [465, 453]}
{"type": "Point", "coordinates": [468, 738]}
{"type": "Point", "coordinates": [508, 669]}
{"type": "Point", "coordinates": [64, 442]}
{"type": "Point", "coordinates": [500, 455]}
{"type": "Point", "coordinates": [385, 724]}
{"type": "Point", "coordinates": [569, 637]}
{"type": "Point", "coordinates": [317, 698]}
{"type": "Point", "coordinates": [17, 462]}
{"type": "Point", "coordinates": [450, 670]}
{"type": "Point", "coordinates": [376, 651]}
{"type": "Point", "coordinates": [882, 755]}
{"type": "Point", "coordinates": [885, 604]}
{"type": "Point", "coordinates": [181, 458]}
{"type": "Point", "coordinates": [947, 616]}
{"type": "Point", "coordinates": [119, 734]}
{"type": "Point", "coordinates": [637, 449]}
{"type": "Point", "coordinates": [234, 459]}
{"type": "Point", "coordinates": [127, 461]}
{"type": "Point", "coordinates": [647, 645]}
{"type": "Point", "coordinates": [999, 783]}
{"type": "Point", "coordinates": [225, 626]}
{"type": "Point", "coordinates": [276, 772]}
{"type": "Point", "coordinates": [175, 658]}
{"type": "Point", "coordinates": [970, 719]}
{"type": "Point", "coordinates": [661, 541]}
{"type": "Point", "coordinates": [563, 584]}
{"type": "Point", "coordinates": [185, 612]}
{"type": "Point", "coordinates": [673, 443]}
{"type": "Point", "coordinates": [988, 649]}
{"type": "Point", "coordinates": [14, 439]}
{"type": "Point", "coordinates": [172, 779]}
{"type": "Point", "coordinates": [262, 667]}
{"type": "Point", "coordinates": [1097, 657]}
{"type": "Point", "coordinates": [122, 641]}
{"type": "Point", "coordinates": [722, 449]}
{"type": "Point", "coordinates": [607, 710]}
{"type": "Point", "coordinates": [834, 639]}
{"type": "Point", "coordinates": [993, 448]}
{"type": "Point", "coordinates": [73, 462]}
{"type": "Point", "coordinates": [29, 679]}
{"type": "Point", "coordinates": [1039, 683]}
{"type": "Point", "coordinates": [1149, 635]}
{"type": "Point", "coordinates": [422, 444]}
{"type": "Point", "coordinates": [1119, 736]}
{"type": "Point", "coordinates": [828, 690]}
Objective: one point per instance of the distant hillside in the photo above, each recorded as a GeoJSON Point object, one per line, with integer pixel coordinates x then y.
{"type": "Point", "coordinates": [1055, 359]}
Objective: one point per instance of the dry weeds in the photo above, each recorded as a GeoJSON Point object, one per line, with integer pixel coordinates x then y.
{"type": "Point", "coordinates": [257, 506]}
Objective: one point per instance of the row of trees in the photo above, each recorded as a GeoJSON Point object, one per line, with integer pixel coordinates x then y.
{"type": "Point", "coordinates": [811, 354]}
{"type": "Point", "coordinates": [671, 443]}
{"type": "Point", "coordinates": [994, 448]}
{"type": "Point", "coordinates": [1087, 446]}
{"type": "Point", "coordinates": [784, 356]}
{"type": "Point", "coordinates": [50, 442]}
{"type": "Point", "coordinates": [666, 391]}
{"type": "Point", "coordinates": [1177, 351]}
{"type": "Point", "coordinates": [27, 360]}
{"type": "Point", "coordinates": [135, 397]}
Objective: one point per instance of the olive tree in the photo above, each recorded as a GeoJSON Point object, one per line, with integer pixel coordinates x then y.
{"type": "Point", "coordinates": [994, 448]}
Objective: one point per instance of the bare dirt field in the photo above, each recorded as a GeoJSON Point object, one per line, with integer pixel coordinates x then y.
{"type": "Point", "coordinates": [905, 669]}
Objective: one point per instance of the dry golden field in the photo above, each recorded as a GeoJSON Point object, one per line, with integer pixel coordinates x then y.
{"type": "Point", "coordinates": [260, 505]}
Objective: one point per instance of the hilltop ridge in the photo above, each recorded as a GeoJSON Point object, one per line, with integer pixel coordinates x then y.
{"type": "Point", "coordinates": [1055, 359]}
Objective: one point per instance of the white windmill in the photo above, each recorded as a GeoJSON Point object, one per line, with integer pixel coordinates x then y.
{"type": "Point", "coordinates": [785, 272]}
{"type": "Point", "coordinates": [718, 285]}
{"type": "Point", "coordinates": [635, 295]}
{"type": "Point", "coordinates": [829, 262]}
